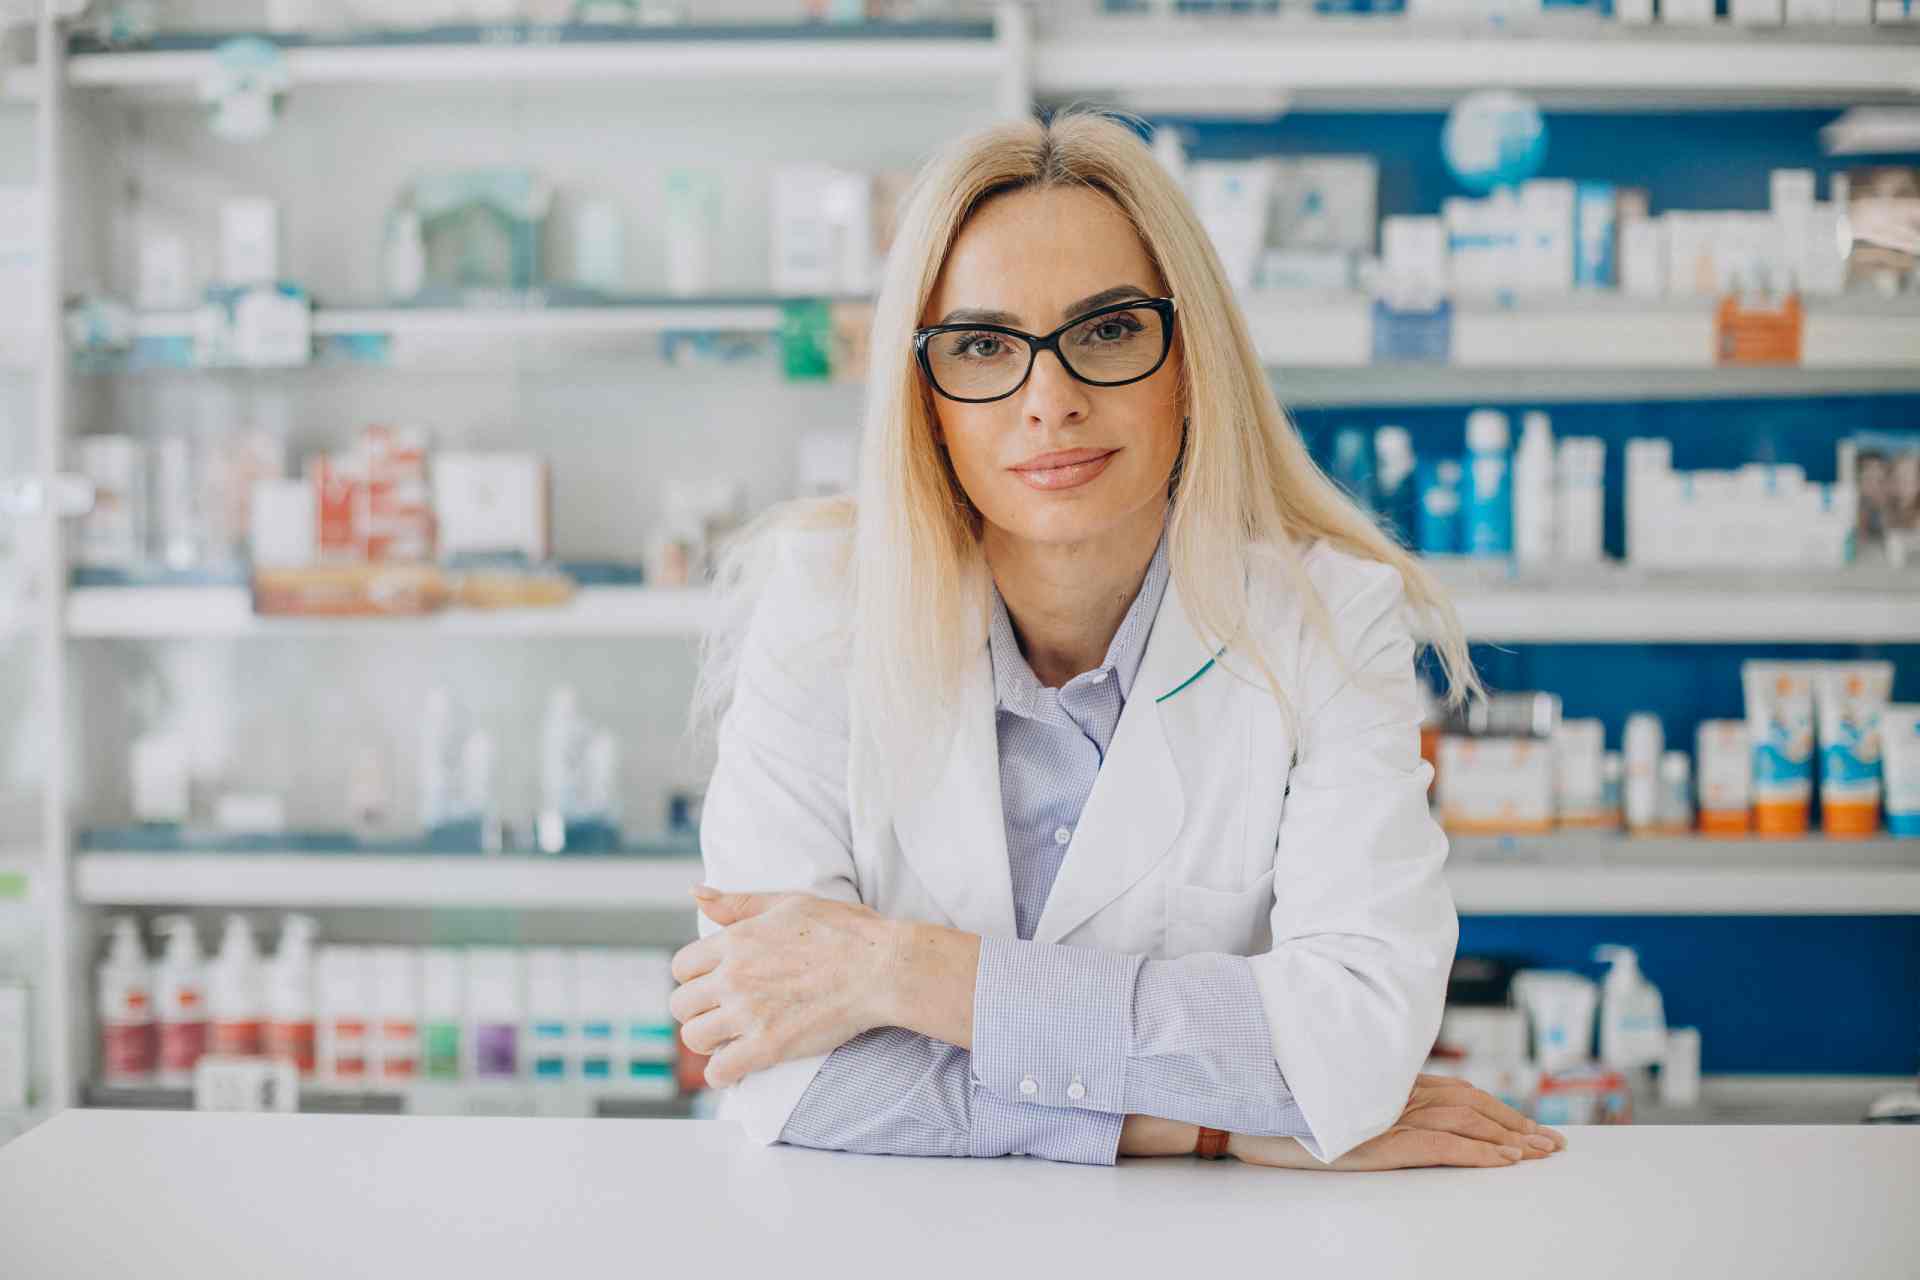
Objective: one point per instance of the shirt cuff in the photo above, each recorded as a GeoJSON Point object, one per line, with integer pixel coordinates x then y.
{"type": "Point", "coordinates": [1053, 1024]}
{"type": "Point", "coordinates": [1003, 1128]}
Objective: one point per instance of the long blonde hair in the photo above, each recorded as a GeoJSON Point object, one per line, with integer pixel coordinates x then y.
{"type": "Point", "coordinates": [913, 572]}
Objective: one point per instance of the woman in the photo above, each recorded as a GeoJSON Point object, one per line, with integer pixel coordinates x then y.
{"type": "Point", "coordinates": [1068, 799]}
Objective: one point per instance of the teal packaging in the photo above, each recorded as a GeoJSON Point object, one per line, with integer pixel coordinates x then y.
{"type": "Point", "coordinates": [1488, 510]}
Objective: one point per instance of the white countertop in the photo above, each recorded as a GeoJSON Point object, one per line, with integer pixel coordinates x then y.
{"type": "Point", "coordinates": [208, 1196]}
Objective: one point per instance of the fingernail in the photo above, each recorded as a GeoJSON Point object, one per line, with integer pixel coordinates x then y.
{"type": "Point", "coordinates": [1541, 1142]}
{"type": "Point", "coordinates": [1511, 1153]}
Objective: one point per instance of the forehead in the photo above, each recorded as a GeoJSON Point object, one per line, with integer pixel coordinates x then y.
{"type": "Point", "coordinates": [1032, 252]}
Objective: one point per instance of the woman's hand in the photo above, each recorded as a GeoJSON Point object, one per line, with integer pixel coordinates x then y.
{"type": "Point", "coordinates": [1446, 1122]}
{"type": "Point", "coordinates": [791, 975]}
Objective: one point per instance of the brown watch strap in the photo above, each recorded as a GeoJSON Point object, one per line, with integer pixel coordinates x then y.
{"type": "Point", "coordinates": [1212, 1144]}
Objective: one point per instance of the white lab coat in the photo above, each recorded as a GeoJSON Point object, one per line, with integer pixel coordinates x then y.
{"type": "Point", "coordinates": [1209, 829]}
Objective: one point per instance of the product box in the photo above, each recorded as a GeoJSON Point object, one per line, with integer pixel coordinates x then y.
{"type": "Point", "coordinates": [1496, 786]}
{"type": "Point", "coordinates": [112, 535]}
{"type": "Point", "coordinates": [1808, 13]}
{"type": "Point", "coordinates": [1692, 13]}
{"type": "Point", "coordinates": [1757, 13]}
{"type": "Point", "coordinates": [1484, 1032]}
{"type": "Point", "coordinates": [492, 503]}
{"type": "Point", "coordinates": [1643, 257]}
{"type": "Point", "coordinates": [1413, 252]}
{"type": "Point", "coordinates": [399, 510]}
{"type": "Point", "coordinates": [339, 506]}
{"type": "Point", "coordinates": [1231, 199]}
{"type": "Point", "coordinates": [1589, 1095]}
{"type": "Point", "coordinates": [1724, 767]}
{"type": "Point", "coordinates": [1324, 202]}
{"type": "Point", "coordinates": [822, 230]}
{"type": "Point", "coordinates": [1579, 752]}
{"type": "Point", "coordinates": [249, 241]}
{"type": "Point", "coordinates": [1547, 249]}
{"type": "Point", "coordinates": [1595, 235]}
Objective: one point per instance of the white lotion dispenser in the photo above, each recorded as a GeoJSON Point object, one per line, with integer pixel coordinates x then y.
{"type": "Point", "coordinates": [1633, 1019]}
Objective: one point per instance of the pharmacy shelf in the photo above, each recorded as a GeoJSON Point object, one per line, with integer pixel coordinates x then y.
{"type": "Point", "coordinates": [1263, 67]}
{"type": "Point", "coordinates": [213, 612]}
{"type": "Point", "coordinates": [469, 1098]}
{"type": "Point", "coordinates": [1615, 604]}
{"type": "Point", "coordinates": [581, 882]}
{"type": "Point", "coordinates": [1607, 874]}
{"type": "Point", "coordinates": [886, 56]}
{"type": "Point", "coordinates": [1413, 384]}
{"type": "Point", "coordinates": [1570, 604]}
{"type": "Point", "coordinates": [1563, 874]}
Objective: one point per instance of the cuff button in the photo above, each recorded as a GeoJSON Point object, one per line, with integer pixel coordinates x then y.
{"type": "Point", "coordinates": [1029, 1086]}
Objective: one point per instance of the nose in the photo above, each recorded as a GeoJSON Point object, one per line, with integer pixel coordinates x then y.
{"type": "Point", "coordinates": [1053, 397]}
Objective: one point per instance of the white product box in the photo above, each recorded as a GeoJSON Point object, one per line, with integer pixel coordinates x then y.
{"type": "Point", "coordinates": [1324, 202]}
{"type": "Point", "coordinates": [1809, 13]}
{"type": "Point", "coordinates": [1546, 211]}
{"type": "Point", "coordinates": [245, 1084]}
{"type": "Point", "coordinates": [1757, 13]}
{"type": "Point", "coordinates": [1693, 13]}
{"type": "Point", "coordinates": [1484, 1032]}
{"type": "Point", "coordinates": [1579, 748]}
{"type": "Point", "coordinates": [250, 812]}
{"type": "Point", "coordinates": [1413, 252]}
{"type": "Point", "coordinates": [1232, 199]}
{"type": "Point", "coordinates": [344, 1012]}
{"type": "Point", "coordinates": [249, 241]}
{"type": "Point", "coordinates": [113, 533]}
{"type": "Point", "coordinates": [1690, 255]}
{"type": "Point", "coordinates": [822, 230]}
{"type": "Point", "coordinates": [1318, 270]}
{"type": "Point", "coordinates": [158, 769]}
{"type": "Point", "coordinates": [1633, 12]}
{"type": "Point", "coordinates": [282, 523]}
{"type": "Point", "coordinates": [1643, 257]}
{"type": "Point", "coordinates": [1496, 785]}
{"type": "Point", "coordinates": [164, 272]}
{"type": "Point", "coordinates": [491, 502]}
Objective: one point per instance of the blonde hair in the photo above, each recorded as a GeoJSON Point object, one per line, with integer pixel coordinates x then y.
{"type": "Point", "coordinates": [916, 580]}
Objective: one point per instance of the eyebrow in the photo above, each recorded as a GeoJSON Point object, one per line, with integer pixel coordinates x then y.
{"type": "Point", "coordinates": [986, 315]}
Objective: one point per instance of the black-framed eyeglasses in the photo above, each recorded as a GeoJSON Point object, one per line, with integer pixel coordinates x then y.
{"type": "Point", "coordinates": [1108, 347]}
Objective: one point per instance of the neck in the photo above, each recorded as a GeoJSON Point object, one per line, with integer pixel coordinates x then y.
{"type": "Point", "coordinates": [1066, 599]}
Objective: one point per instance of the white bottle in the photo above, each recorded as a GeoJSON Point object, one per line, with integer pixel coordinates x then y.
{"type": "Point", "coordinates": [236, 995]}
{"type": "Point", "coordinates": [180, 1001]}
{"type": "Point", "coordinates": [562, 760]}
{"type": "Point", "coordinates": [396, 1009]}
{"type": "Point", "coordinates": [127, 1041]}
{"type": "Point", "coordinates": [1579, 500]}
{"type": "Point", "coordinates": [1533, 522]}
{"type": "Point", "coordinates": [345, 1011]}
{"type": "Point", "coordinates": [290, 981]}
{"type": "Point", "coordinates": [1676, 793]}
{"type": "Point", "coordinates": [403, 261]}
{"type": "Point", "coordinates": [1641, 788]}
{"type": "Point", "coordinates": [1633, 1020]}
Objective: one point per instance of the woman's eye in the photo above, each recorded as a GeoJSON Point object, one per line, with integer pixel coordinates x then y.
{"type": "Point", "coordinates": [977, 346]}
{"type": "Point", "coordinates": [1114, 330]}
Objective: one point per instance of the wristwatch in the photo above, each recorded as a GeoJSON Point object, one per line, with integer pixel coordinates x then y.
{"type": "Point", "coordinates": [1212, 1144]}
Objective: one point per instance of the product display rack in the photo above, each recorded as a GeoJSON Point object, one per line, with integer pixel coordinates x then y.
{"type": "Point", "coordinates": [1318, 348]}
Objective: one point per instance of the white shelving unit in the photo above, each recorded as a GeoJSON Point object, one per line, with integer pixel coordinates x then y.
{"type": "Point", "coordinates": [1196, 64]}
{"type": "Point", "coordinates": [1562, 874]}
{"type": "Point", "coordinates": [1600, 605]}
{"type": "Point", "coordinates": [1578, 874]}
{"type": "Point", "coordinates": [209, 612]}
{"type": "Point", "coordinates": [522, 882]}
{"type": "Point", "coordinates": [1319, 349]}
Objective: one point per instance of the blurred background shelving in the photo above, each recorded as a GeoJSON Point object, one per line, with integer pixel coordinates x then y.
{"type": "Point", "coordinates": [633, 388]}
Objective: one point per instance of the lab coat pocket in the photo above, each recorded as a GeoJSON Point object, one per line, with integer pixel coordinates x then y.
{"type": "Point", "coordinates": [1234, 921]}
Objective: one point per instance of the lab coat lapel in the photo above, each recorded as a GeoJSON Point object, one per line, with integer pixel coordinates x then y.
{"type": "Point", "coordinates": [1138, 802]}
{"type": "Point", "coordinates": [953, 833]}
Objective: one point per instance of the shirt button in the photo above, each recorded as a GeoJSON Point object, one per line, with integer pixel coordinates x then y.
{"type": "Point", "coordinates": [1076, 1090]}
{"type": "Point", "coordinates": [1061, 835]}
{"type": "Point", "coordinates": [1029, 1086]}
{"type": "Point", "coordinates": [1099, 677]}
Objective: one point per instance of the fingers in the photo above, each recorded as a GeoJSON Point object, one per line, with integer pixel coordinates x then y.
{"type": "Point", "coordinates": [691, 999]}
{"type": "Point", "coordinates": [1459, 1152]}
{"type": "Point", "coordinates": [708, 1032]}
{"type": "Point", "coordinates": [730, 908]}
{"type": "Point", "coordinates": [1491, 1107]}
{"type": "Point", "coordinates": [734, 1062]}
{"type": "Point", "coordinates": [696, 958]}
{"type": "Point", "coordinates": [1469, 1123]}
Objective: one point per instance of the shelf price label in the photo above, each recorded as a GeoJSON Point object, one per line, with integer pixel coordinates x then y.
{"type": "Point", "coordinates": [1412, 335]}
{"type": "Point", "coordinates": [1766, 334]}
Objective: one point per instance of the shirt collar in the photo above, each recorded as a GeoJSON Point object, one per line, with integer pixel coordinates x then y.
{"type": "Point", "coordinates": [1014, 684]}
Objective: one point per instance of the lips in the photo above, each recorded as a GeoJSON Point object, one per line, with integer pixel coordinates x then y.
{"type": "Point", "coordinates": [1064, 469]}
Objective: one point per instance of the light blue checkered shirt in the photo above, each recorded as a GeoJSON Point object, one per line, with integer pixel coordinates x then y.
{"type": "Point", "coordinates": [1098, 1036]}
